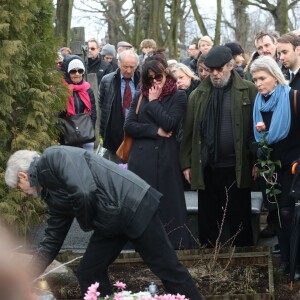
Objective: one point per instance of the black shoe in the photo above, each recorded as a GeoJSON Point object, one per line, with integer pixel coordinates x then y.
{"type": "Point", "coordinates": [297, 273]}
{"type": "Point", "coordinates": [283, 268]}
{"type": "Point", "coordinates": [269, 231]}
{"type": "Point", "coordinates": [276, 249]}
{"type": "Point", "coordinates": [297, 276]}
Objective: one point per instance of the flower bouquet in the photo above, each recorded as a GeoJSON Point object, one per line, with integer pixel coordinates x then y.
{"type": "Point", "coordinates": [93, 294]}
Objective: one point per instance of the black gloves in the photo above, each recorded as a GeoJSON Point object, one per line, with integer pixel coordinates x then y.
{"type": "Point", "coordinates": [261, 153]}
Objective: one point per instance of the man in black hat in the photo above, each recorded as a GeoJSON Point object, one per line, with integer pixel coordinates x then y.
{"type": "Point", "coordinates": [214, 156]}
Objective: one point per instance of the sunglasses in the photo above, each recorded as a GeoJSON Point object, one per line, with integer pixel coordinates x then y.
{"type": "Point", "coordinates": [92, 48]}
{"type": "Point", "coordinates": [79, 71]}
{"type": "Point", "coordinates": [219, 69]}
{"type": "Point", "coordinates": [157, 77]}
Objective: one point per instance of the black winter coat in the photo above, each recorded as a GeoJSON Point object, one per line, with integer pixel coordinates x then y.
{"type": "Point", "coordinates": [100, 67]}
{"type": "Point", "coordinates": [98, 193]}
{"type": "Point", "coordinates": [295, 82]}
{"type": "Point", "coordinates": [156, 159]}
{"type": "Point", "coordinates": [109, 92]}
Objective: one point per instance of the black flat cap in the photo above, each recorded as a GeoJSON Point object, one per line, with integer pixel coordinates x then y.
{"type": "Point", "coordinates": [218, 56]}
{"type": "Point", "coordinates": [235, 48]}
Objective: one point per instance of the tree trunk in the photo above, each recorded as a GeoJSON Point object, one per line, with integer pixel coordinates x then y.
{"type": "Point", "coordinates": [281, 17]}
{"type": "Point", "coordinates": [241, 21]}
{"type": "Point", "coordinates": [138, 19]}
{"type": "Point", "coordinates": [156, 18]}
{"type": "Point", "coordinates": [198, 17]}
{"type": "Point", "coordinates": [217, 38]}
{"type": "Point", "coordinates": [172, 34]}
{"type": "Point", "coordinates": [279, 12]}
{"type": "Point", "coordinates": [63, 20]}
{"type": "Point", "coordinates": [114, 23]}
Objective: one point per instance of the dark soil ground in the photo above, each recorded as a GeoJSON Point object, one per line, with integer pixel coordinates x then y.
{"type": "Point", "coordinates": [233, 280]}
{"type": "Point", "coordinates": [236, 280]}
{"type": "Point", "coordinates": [282, 284]}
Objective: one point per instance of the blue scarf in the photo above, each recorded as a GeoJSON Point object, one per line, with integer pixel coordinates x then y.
{"type": "Point", "coordinates": [279, 104]}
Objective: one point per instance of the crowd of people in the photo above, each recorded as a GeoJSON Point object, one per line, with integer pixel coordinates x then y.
{"type": "Point", "coordinates": [193, 123]}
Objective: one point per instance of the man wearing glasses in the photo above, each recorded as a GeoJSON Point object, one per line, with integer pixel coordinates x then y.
{"type": "Point", "coordinates": [214, 156]}
{"type": "Point", "coordinates": [191, 61]}
{"type": "Point", "coordinates": [95, 63]}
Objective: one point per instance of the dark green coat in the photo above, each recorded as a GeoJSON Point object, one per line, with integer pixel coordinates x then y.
{"type": "Point", "coordinates": [242, 96]}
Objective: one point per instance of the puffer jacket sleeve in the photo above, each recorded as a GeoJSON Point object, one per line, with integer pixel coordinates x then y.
{"type": "Point", "coordinates": [103, 86]}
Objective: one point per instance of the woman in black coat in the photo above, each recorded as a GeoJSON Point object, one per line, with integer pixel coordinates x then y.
{"type": "Point", "coordinates": [154, 154]}
{"type": "Point", "coordinates": [276, 119]}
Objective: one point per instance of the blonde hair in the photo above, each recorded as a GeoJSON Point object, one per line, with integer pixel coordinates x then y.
{"type": "Point", "coordinates": [207, 39]}
{"type": "Point", "coordinates": [269, 65]}
{"type": "Point", "coordinates": [185, 69]}
{"type": "Point", "coordinates": [148, 43]}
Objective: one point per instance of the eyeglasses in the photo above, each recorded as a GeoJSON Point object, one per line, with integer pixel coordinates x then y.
{"type": "Point", "coordinates": [201, 70]}
{"type": "Point", "coordinates": [219, 69]}
{"type": "Point", "coordinates": [79, 71]}
{"type": "Point", "coordinates": [157, 77]}
{"type": "Point", "coordinates": [92, 48]}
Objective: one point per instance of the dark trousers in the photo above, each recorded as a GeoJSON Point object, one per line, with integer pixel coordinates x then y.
{"type": "Point", "coordinates": [155, 249]}
{"type": "Point", "coordinates": [212, 203]}
{"type": "Point", "coordinates": [286, 209]}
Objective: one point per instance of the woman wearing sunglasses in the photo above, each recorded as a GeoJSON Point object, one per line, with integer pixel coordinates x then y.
{"type": "Point", "coordinates": [154, 153]}
{"type": "Point", "coordinates": [82, 97]}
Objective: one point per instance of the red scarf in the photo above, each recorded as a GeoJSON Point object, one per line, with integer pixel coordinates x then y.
{"type": "Point", "coordinates": [81, 89]}
{"type": "Point", "coordinates": [168, 89]}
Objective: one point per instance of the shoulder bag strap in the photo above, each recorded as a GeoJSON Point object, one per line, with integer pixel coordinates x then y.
{"type": "Point", "coordinates": [139, 102]}
{"type": "Point", "coordinates": [295, 102]}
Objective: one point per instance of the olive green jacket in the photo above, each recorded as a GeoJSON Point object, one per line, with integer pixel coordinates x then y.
{"type": "Point", "coordinates": [242, 96]}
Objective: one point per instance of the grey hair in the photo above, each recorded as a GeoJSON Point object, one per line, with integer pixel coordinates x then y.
{"type": "Point", "coordinates": [269, 65]}
{"type": "Point", "coordinates": [128, 53]}
{"type": "Point", "coordinates": [93, 40]}
{"type": "Point", "coordinates": [18, 162]}
{"type": "Point", "coordinates": [185, 69]}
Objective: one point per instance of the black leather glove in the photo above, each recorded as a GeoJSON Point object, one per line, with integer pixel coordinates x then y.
{"type": "Point", "coordinates": [261, 153]}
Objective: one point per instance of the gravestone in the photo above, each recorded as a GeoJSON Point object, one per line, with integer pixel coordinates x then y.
{"type": "Point", "coordinates": [77, 40]}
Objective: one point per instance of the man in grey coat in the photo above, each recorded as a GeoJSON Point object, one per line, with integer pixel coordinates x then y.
{"type": "Point", "coordinates": [115, 203]}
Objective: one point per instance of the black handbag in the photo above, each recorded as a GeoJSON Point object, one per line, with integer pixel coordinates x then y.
{"type": "Point", "coordinates": [78, 129]}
